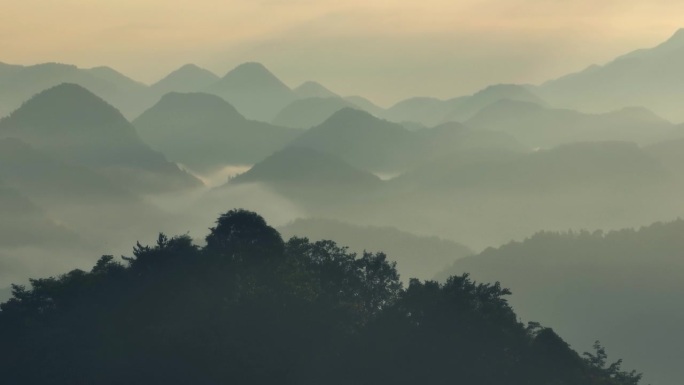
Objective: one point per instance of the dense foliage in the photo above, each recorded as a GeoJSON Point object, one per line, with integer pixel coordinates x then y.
{"type": "Point", "coordinates": [250, 308]}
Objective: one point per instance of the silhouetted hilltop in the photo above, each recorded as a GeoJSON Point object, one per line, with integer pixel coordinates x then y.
{"type": "Point", "coordinates": [72, 124]}
{"type": "Point", "coordinates": [311, 89]}
{"type": "Point", "coordinates": [188, 78]}
{"type": "Point", "coordinates": [309, 112]}
{"type": "Point", "coordinates": [300, 165]}
{"type": "Point", "coordinates": [276, 311]}
{"type": "Point", "coordinates": [205, 132]}
{"type": "Point", "coordinates": [21, 83]}
{"type": "Point", "coordinates": [358, 138]}
{"type": "Point", "coordinates": [365, 104]}
{"type": "Point", "coordinates": [417, 256]}
{"type": "Point", "coordinates": [424, 110]}
{"type": "Point", "coordinates": [467, 107]}
{"type": "Point", "coordinates": [432, 111]}
{"type": "Point", "coordinates": [254, 91]}
{"type": "Point", "coordinates": [312, 181]}
{"type": "Point", "coordinates": [631, 275]}
{"type": "Point", "coordinates": [647, 77]}
{"type": "Point", "coordinates": [539, 126]}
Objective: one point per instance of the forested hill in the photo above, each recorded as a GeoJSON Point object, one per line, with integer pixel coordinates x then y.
{"type": "Point", "coordinates": [251, 308]}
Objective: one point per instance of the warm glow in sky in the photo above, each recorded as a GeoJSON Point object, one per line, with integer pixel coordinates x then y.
{"type": "Point", "coordinates": [382, 49]}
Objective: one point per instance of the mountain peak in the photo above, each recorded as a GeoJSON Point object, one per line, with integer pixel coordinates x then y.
{"type": "Point", "coordinates": [250, 69]}
{"type": "Point", "coordinates": [678, 36]}
{"type": "Point", "coordinates": [310, 89]}
{"type": "Point", "coordinates": [66, 105]}
{"type": "Point", "coordinates": [187, 78]}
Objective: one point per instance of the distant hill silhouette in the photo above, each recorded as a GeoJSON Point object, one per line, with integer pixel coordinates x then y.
{"type": "Point", "coordinates": [72, 124]}
{"type": "Point", "coordinates": [417, 256]}
{"type": "Point", "coordinates": [539, 126]}
{"type": "Point", "coordinates": [358, 138]}
{"type": "Point", "coordinates": [432, 111]}
{"type": "Point", "coordinates": [314, 180]}
{"type": "Point", "coordinates": [631, 275]}
{"type": "Point", "coordinates": [646, 77]}
{"type": "Point", "coordinates": [365, 104]}
{"type": "Point", "coordinates": [254, 91]}
{"type": "Point", "coordinates": [20, 83]}
{"type": "Point", "coordinates": [188, 78]}
{"type": "Point", "coordinates": [311, 89]}
{"type": "Point", "coordinates": [568, 166]}
{"type": "Point", "coordinates": [205, 132]}
{"type": "Point", "coordinates": [300, 165]}
{"type": "Point", "coordinates": [380, 146]}
{"type": "Point", "coordinates": [309, 112]}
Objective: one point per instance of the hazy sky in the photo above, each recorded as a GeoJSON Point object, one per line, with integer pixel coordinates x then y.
{"type": "Point", "coordinates": [382, 49]}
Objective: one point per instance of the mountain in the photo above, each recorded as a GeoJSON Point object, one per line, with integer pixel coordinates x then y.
{"type": "Point", "coordinates": [631, 275]}
{"type": "Point", "coordinates": [432, 111]}
{"type": "Point", "coordinates": [650, 78]}
{"type": "Point", "coordinates": [72, 124]}
{"type": "Point", "coordinates": [465, 108]}
{"type": "Point", "coordinates": [417, 256]}
{"type": "Point", "coordinates": [305, 166]}
{"type": "Point", "coordinates": [19, 83]}
{"type": "Point", "coordinates": [254, 91]}
{"type": "Point", "coordinates": [365, 105]}
{"type": "Point", "coordinates": [358, 138]}
{"type": "Point", "coordinates": [380, 146]}
{"type": "Point", "coordinates": [423, 110]}
{"type": "Point", "coordinates": [490, 196]}
{"type": "Point", "coordinates": [586, 164]}
{"type": "Point", "coordinates": [539, 126]}
{"type": "Point", "coordinates": [188, 78]}
{"type": "Point", "coordinates": [317, 182]}
{"type": "Point", "coordinates": [311, 89]}
{"type": "Point", "coordinates": [205, 133]}
{"type": "Point", "coordinates": [309, 112]}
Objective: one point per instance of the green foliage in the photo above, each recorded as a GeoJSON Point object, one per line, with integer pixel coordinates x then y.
{"type": "Point", "coordinates": [250, 308]}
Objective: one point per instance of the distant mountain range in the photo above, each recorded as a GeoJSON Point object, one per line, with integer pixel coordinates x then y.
{"type": "Point", "coordinates": [628, 275]}
{"type": "Point", "coordinates": [431, 111]}
{"type": "Point", "coordinates": [650, 78]}
{"type": "Point", "coordinates": [315, 180]}
{"type": "Point", "coordinates": [19, 83]}
{"type": "Point", "coordinates": [188, 78]}
{"type": "Point", "coordinates": [204, 132]}
{"type": "Point", "coordinates": [70, 123]}
{"type": "Point", "coordinates": [539, 126]}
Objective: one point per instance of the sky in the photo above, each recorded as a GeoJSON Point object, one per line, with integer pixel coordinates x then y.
{"type": "Point", "coordinates": [385, 50]}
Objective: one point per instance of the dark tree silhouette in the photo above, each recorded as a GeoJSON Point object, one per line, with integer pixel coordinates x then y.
{"type": "Point", "coordinates": [251, 309]}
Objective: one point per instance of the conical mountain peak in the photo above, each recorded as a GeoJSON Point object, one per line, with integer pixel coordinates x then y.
{"type": "Point", "coordinates": [66, 105]}
{"type": "Point", "coordinates": [253, 74]}
{"type": "Point", "coordinates": [311, 89]}
{"type": "Point", "coordinates": [188, 78]}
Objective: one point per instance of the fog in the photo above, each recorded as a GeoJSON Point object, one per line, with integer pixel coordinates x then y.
{"type": "Point", "coordinates": [568, 192]}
